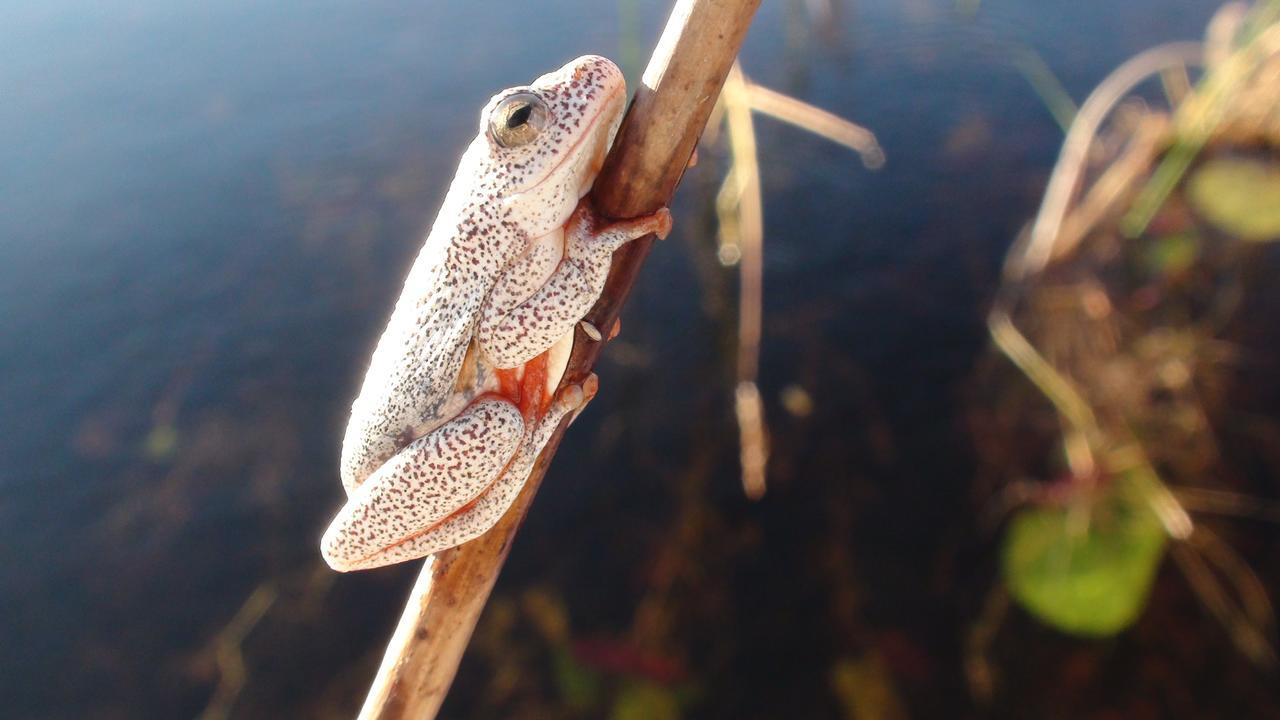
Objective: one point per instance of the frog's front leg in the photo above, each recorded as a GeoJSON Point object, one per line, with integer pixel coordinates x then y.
{"type": "Point", "coordinates": [525, 314]}
{"type": "Point", "coordinates": [420, 487]}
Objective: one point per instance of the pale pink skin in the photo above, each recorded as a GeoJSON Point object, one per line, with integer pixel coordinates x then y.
{"type": "Point", "coordinates": [457, 402]}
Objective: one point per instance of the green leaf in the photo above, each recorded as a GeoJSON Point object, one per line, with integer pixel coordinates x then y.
{"type": "Point", "coordinates": [1086, 575]}
{"type": "Point", "coordinates": [1238, 195]}
{"type": "Point", "coordinates": [1171, 254]}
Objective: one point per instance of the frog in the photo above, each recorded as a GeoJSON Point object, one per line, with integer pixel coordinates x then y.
{"type": "Point", "coordinates": [462, 390]}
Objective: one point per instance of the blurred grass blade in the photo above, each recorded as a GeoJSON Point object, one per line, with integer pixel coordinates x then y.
{"type": "Point", "coordinates": [227, 644]}
{"type": "Point", "coordinates": [1047, 86]}
{"type": "Point", "coordinates": [1198, 117]}
{"type": "Point", "coordinates": [819, 122]}
{"type": "Point", "coordinates": [1248, 623]}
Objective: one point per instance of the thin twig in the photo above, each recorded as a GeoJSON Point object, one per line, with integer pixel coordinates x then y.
{"type": "Point", "coordinates": [817, 121]}
{"type": "Point", "coordinates": [649, 156]}
{"type": "Point", "coordinates": [748, 224]}
{"type": "Point", "coordinates": [230, 651]}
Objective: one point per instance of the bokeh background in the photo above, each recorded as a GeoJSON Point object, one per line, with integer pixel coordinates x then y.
{"type": "Point", "coordinates": [206, 213]}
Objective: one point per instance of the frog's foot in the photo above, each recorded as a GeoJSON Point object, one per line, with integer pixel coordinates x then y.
{"type": "Point", "coordinates": [399, 512]}
{"type": "Point", "coordinates": [579, 395]}
{"type": "Point", "coordinates": [587, 234]}
{"type": "Point", "coordinates": [517, 325]}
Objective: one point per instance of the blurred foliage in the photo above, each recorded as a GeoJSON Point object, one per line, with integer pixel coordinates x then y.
{"type": "Point", "coordinates": [865, 689]}
{"type": "Point", "coordinates": [1239, 195]}
{"type": "Point", "coordinates": [161, 443]}
{"type": "Point", "coordinates": [1171, 256]}
{"type": "Point", "coordinates": [1124, 308]}
{"type": "Point", "coordinates": [644, 701]}
{"type": "Point", "coordinates": [1085, 570]}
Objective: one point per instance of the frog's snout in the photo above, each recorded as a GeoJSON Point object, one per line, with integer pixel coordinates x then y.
{"type": "Point", "coordinates": [595, 70]}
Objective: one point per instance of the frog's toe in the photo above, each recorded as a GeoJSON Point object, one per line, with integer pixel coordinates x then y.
{"type": "Point", "coordinates": [660, 223]}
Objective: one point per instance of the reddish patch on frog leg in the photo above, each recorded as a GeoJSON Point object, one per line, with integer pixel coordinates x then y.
{"type": "Point", "coordinates": [509, 385]}
{"type": "Point", "coordinates": [525, 387]}
{"type": "Point", "coordinates": [534, 399]}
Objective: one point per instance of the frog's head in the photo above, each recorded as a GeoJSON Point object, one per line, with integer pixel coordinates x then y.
{"type": "Point", "coordinates": [544, 143]}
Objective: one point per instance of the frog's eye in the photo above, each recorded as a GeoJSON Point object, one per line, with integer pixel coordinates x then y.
{"type": "Point", "coordinates": [517, 120]}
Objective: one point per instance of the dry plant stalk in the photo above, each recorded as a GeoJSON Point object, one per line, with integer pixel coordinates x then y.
{"type": "Point", "coordinates": [740, 197]}
{"type": "Point", "coordinates": [817, 121]}
{"type": "Point", "coordinates": [649, 156]}
{"type": "Point", "coordinates": [740, 211]}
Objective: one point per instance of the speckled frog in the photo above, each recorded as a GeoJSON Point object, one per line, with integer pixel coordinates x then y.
{"type": "Point", "coordinates": [460, 397]}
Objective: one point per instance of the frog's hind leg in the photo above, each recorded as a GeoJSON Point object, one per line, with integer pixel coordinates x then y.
{"type": "Point", "coordinates": [490, 507]}
{"type": "Point", "coordinates": [516, 326]}
{"type": "Point", "coordinates": [419, 488]}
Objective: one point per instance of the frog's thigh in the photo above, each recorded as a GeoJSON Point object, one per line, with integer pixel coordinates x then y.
{"type": "Point", "coordinates": [511, 335]}
{"type": "Point", "coordinates": [426, 482]}
{"type": "Point", "coordinates": [491, 506]}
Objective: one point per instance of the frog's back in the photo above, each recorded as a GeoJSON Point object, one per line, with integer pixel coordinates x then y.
{"type": "Point", "coordinates": [414, 370]}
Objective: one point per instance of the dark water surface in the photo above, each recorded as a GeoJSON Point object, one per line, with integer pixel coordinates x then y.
{"type": "Point", "coordinates": [206, 212]}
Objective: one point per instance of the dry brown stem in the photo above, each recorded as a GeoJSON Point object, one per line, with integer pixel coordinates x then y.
{"type": "Point", "coordinates": [649, 156]}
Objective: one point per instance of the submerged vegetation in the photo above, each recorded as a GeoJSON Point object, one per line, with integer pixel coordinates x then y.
{"type": "Point", "coordinates": [1133, 305]}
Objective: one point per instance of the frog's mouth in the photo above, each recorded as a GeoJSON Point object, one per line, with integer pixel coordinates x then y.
{"type": "Point", "coordinates": [601, 137]}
